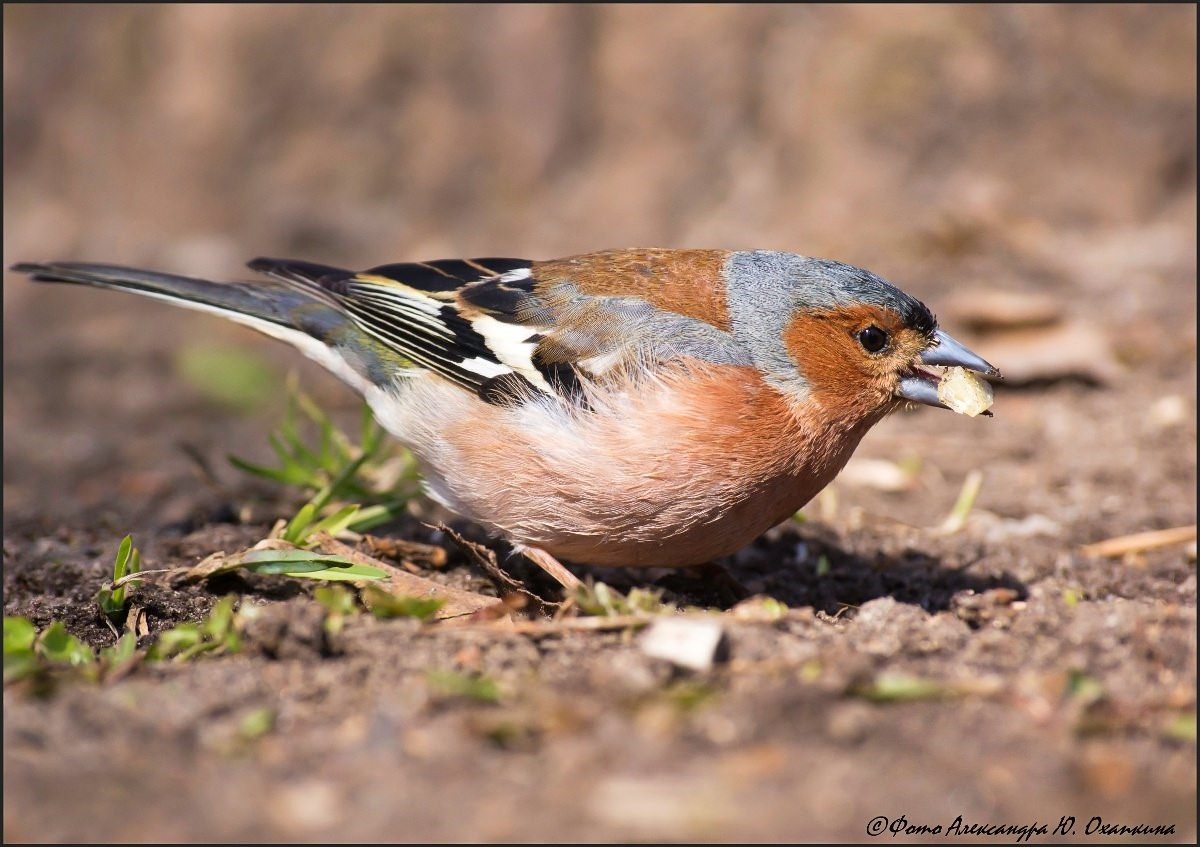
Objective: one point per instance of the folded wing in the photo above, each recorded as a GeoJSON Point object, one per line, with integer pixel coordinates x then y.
{"type": "Point", "coordinates": [505, 328]}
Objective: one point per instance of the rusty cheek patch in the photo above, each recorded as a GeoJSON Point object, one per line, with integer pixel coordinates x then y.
{"type": "Point", "coordinates": [842, 375]}
{"type": "Point", "coordinates": [687, 282]}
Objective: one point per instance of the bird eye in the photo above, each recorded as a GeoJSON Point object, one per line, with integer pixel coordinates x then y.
{"type": "Point", "coordinates": [873, 339]}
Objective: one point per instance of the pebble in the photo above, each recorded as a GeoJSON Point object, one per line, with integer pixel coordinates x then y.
{"type": "Point", "coordinates": [690, 643]}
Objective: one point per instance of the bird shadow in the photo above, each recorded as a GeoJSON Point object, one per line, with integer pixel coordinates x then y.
{"type": "Point", "coordinates": [814, 570]}
{"type": "Point", "coordinates": [804, 567]}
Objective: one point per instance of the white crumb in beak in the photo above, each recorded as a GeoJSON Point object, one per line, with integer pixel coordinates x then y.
{"type": "Point", "coordinates": [965, 392]}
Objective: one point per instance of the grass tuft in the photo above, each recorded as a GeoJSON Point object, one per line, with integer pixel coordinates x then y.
{"type": "Point", "coordinates": [599, 600]}
{"type": "Point", "coordinates": [128, 561]}
{"type": "Point", "coordinates": [355, 487]}
{"type": "Point", "coordinates": [29, 654]}
{"type": "Point", "coordinates": [215, 634]}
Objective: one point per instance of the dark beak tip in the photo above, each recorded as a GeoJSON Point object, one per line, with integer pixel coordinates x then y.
{"type": "Point", "coordinates": [947, 352]}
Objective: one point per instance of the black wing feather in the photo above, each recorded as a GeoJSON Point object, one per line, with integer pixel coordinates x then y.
{"type": "Point", "coordinates": [418, 316]}
{"type": "Point", "coordinates": [446, 274]}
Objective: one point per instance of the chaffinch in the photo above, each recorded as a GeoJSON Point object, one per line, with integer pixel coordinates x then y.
{"type": "Point", "coordinates": [639, 407]}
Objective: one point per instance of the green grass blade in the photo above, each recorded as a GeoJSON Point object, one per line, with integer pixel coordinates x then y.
{"type": "Point", "coordinates": [19, 664]}
{"type": "Point", "coordinates": [291, 561]}
{"type": "Point", "coordinates": [373, 516]}
{"type": "Point", "coordinates": [308, 564]}
{"type": "Point", "coordinates": [122, 557]}
{"type": "Point", "coordinates": [120, 652]}
{"type": "Point", "coordinates": [284, 475]}
{"type": "Point", "coordinates": [354, 573]}
{"type": "Point", "coordinates": [19, 634]}
{"type": "Point", "coordinates": [219, 622]}
{"type": "Point", "coordinates": [290, 568]}
{"type": "Point", "coordinates": [335, 487]}
{"type": "Point", "coordinates": [338, 439]}
{"type": "Point", "coordinates": [295, 532]}
{"type": "Point", "coordinates": [291, 446]}
{"type": "Point", "coordinates": [336, 522]}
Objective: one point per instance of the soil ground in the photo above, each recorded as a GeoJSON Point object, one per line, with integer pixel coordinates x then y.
{"type": "Point", "coordinates": [591, 738]}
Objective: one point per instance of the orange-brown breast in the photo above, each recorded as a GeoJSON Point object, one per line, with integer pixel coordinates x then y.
{"type": "Point", "coordinates": [687, 282]}
{"type": "Point", "coordinates": [677, 474]}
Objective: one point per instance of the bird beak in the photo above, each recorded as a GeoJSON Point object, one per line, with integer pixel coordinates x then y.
{"type": "Point", "coordinates": [921, 386]}
{"type": "Point", "coordinates": [945, 352]}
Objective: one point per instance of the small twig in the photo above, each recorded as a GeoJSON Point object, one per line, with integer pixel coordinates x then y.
{"type": "Point", "coordinates": [1140, 541]}
{"type": "Point", "coordinates": [133, 577]}
{"type": "Point", "coordinates": [485, 557]}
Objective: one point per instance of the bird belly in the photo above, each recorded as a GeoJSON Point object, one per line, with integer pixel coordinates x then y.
{"type": "Point", "coordinates": [657, 477]}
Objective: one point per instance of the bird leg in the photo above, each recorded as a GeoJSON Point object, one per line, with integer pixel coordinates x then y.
{"type": "Point", "coordinates": [551, 566]}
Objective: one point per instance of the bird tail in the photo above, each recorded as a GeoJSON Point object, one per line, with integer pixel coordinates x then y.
{"type": "Point", "coordinates": [288, 310]}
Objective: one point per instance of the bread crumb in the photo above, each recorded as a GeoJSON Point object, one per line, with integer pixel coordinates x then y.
{"type": "Point", "coordinates": [965, 392]}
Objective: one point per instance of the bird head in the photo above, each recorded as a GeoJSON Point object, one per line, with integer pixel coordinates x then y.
{"type": "Point", "coordinates": [838, 336]}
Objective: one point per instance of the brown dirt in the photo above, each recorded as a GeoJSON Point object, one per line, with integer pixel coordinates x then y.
{"type": "Point", "coordinates": [1066, 166]}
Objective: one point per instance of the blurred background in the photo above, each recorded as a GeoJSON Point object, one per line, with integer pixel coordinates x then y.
{"type": "Point", "coordinates": [948, 148]}
{"type": "Point", "coordinates": [196, 135]}
{"type": "Point", "coordinates": [1028, 171]}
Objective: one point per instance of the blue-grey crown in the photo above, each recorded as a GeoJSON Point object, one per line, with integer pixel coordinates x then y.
{"type": "Point", "coordinates": [764, 289]}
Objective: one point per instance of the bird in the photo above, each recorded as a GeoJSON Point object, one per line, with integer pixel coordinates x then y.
{"type": "Point", "coordinates": [643, 407]}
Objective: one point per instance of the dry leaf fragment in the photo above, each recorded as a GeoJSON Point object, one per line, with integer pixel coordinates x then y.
{"type": "Point", "coordinates": [1072, 349]}
{"type": "Point", "coordinates": [399, 549]}
{"type": "Point", "coordinates": [1141, 541]}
